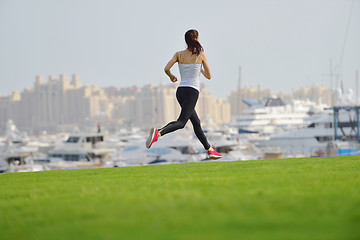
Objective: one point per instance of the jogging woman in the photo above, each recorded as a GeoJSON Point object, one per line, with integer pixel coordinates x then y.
{"type": "Point", "coordinates": [192, 61]}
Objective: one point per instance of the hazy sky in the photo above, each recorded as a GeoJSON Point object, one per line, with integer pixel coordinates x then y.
{"type": "Point", "coordinates": [280, 44]}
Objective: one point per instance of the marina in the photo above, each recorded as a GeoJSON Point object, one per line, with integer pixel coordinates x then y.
{"type": "Point", "coordinates": [272, 130]}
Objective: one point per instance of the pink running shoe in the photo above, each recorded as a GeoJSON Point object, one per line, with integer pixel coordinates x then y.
{"type": "Point", "coordinates": [153, 137]}
{"type": "Point", "coordinates": [214, 154]}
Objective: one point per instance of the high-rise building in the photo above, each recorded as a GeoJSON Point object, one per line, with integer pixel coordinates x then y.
{"type": "Point", "coordinates": [317, 94]}
{"type": "Point", "coordinates": [61, 105]}
{"type": "Point", "coordinates": [54, 105]}
{"type": "Point", "coordinates": [157, 105]}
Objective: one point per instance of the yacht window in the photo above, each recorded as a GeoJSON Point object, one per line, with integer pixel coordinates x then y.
{"type": "Point", "coordinates": [73, 139]}
{"type": "Point", "coordinates": [323, 138]}
{"type": "Point", "coordinates": [41, 160]}
{"type": "Point", "coordinates": [95, 139]}
{"type": "Point", "coordinates": [71, 157]}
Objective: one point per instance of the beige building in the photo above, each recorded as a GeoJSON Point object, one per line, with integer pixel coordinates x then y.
{"type": "Point", "coordinates": [317, 94]}
{"type": "Point", "coordinates": [61, 105]}
{"type": "Point", "coordinates": [8, 107]}
{"type": "Point", "coordinates": [212, 111]}
{"type": "Point", "coordinates": [157, 105]}
{"type": "Point", "coordinates": [55, 105]}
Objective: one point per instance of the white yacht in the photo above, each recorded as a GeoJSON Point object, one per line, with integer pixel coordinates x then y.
{"type": "Point", "coordinates": [81, 151]}
{"type": "Point", "coordinates": [14, 149]}
{"type": "Point", "coordinates": [275, 116]}
{"type": "Point", "coordinates": [318, 137]}
{"type": "Point", "coordinates": [12, 157]}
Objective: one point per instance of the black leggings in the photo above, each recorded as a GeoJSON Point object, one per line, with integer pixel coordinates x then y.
{"type": "Point", "coordinates": [187, 98]}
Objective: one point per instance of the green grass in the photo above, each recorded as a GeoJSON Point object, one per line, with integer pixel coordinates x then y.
{"type": "Point", "coordinates": [309, 198]}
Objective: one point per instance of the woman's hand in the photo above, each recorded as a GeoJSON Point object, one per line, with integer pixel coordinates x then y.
{"type": "Point", "coordinates": [173, 78]}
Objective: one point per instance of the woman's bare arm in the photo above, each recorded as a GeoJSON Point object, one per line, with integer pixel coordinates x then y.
{"type": "Point", "coordinates": [206, 70]}
{"type": "Point", "coordinates": [169, 65]}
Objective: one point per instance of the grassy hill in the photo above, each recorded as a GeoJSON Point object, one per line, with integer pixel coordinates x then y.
{"type": "Point", "coordinates": [309, 198]}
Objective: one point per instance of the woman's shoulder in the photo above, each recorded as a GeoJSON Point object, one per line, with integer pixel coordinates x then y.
{"type": "Point", "coordinates": [202, 54]}
{"type": "Point", "coordinates": [178, 53]}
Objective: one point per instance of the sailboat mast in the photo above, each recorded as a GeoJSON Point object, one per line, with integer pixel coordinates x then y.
{"type": "Point", "coordinates": [238, 100]}
{"type": "Point", "coordinates": [357, 87]}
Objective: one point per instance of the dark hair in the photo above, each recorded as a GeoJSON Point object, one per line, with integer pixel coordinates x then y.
{"type": "Point", "coordinates": [192, 42]}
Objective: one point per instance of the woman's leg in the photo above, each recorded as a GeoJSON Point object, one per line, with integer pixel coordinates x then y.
{"type": "Point", "coordinates": [198, 130]}
{"type": "Point", "coordinates": [187, 98]}
{"type": "Point", "coordinates": [212, 153]}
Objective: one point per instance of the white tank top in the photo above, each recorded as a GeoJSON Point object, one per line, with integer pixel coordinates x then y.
{"type": "Point", "coordinates": [190, 74]}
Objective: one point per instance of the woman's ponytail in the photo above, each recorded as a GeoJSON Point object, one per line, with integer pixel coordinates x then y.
{"type": "Point", "coordinates": [192, 42]}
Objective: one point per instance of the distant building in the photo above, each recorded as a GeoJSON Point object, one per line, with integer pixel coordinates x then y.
{"type": "Point", "coordinates": [61, 105]}
{"type": "Point", "coordinates": [55, 105]}
{"type": "Point", "coordinates": [8, 107]}
{"type": "Point", "coordinates": [317, 94]}
{"type": "Point", "coordinates": [211, 110]}
{"type": "Point", "coordinates": [157, 105]}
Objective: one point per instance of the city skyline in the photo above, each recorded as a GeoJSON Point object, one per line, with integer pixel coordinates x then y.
{"type": "Point", "coordinates": [279, 44]}
{"type": "Point", "coordinates": [47, 79]}
{"type": "Point", "coordinates": [62, 103]}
